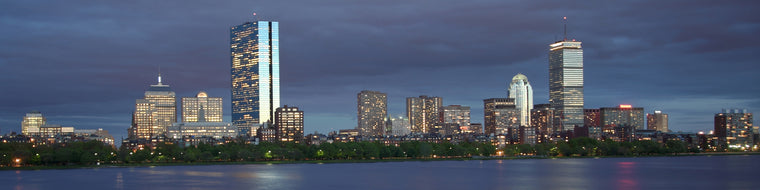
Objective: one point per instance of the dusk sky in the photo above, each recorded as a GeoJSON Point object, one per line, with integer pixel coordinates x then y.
{"type": "Point", "coordinates": [83, 63]}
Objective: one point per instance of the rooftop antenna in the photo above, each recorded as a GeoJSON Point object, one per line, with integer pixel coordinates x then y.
{"type": "Point", "coordinates": [564, 20]}
{"type": "Point", "coordinates": [159, 75]}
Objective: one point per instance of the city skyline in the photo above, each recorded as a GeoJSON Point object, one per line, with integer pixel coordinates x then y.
{"type": "Point", "coordinates": [658, 66]}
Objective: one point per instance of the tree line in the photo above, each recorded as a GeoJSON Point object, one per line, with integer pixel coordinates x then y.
{"type": "Point", "coordinates": [95, 152]}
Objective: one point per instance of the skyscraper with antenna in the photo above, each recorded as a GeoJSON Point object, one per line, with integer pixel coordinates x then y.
{"type": "Point", "coordinates": [566, 81]}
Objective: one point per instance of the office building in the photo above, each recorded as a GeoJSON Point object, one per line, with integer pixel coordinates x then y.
{"type": "Point", "coordinates": [521, 91]}
{"type": "Point", "coordinates": [400, 126]}
{"type": "Point", "coordinates": [255, 56]}
{"type": "Point", "coordinates": [372, 112]}
{"type": "Point", "coordinates": [423, 112]}
{"type": "Point", "coordinates": [507, 122]}
{"type": "Point", "coordinates": [733, 129]}
{"type": "Point", "coordinates": [542, 118]}
{"type": "Point", "coordinates": [201, 108]}
{"type": "Point", "coordinates": [489, 112]}
{"type": "Point", "coordinates": [154, 113]}
{"type": "Point", "coordinates": [288, 122]}
{"type": "Point", "coordinates": [566, 82]}
{"type": "Point", "coordinates": [457, 117]}
{"type": "Point", "coordinates": [592, 118]}
{"type": "Point", "coordinates": [657, 121]}
{"type": "Point", "coordinates": [624, 115]}
{"type": "Point", "coordinates": [31, 123]}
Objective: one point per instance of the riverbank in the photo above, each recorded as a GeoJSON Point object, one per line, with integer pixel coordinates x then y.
{"type": "Point", "coordinates": [154, 164]}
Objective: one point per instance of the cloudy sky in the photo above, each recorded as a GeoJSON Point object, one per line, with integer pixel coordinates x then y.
{"type": "Point", "coordinates": [83, 63]}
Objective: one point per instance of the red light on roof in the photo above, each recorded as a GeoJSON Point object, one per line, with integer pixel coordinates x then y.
{"type": "Point", "coordinates": [625, 106]}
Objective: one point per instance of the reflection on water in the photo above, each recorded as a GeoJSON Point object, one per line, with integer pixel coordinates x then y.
{"type": "Point", "coordinates": [716, 172]}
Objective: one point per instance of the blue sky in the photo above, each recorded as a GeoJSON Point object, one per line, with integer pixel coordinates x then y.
{"type": "Point", "coordinates": [83, 63]}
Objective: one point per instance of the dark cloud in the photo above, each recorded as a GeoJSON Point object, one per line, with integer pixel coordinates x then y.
{"type": "Point", "coordinates": [83, 63]}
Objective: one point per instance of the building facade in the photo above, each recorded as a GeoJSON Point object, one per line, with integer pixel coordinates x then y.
{"type": "Point", "coordinates": [31, 123]}
{"type": "Point", "coordinates": [288, 122]}
{"type": "Point", "coordinates": [521, 91]}
{"type": "Point", "coordinates": [457, 116]}
{"type": "Point", "coordinates": [657, 121]}
{"type": "Point", "coordinates": [400, 126]}
{"type": "Point", "coordinates": [201, 108]}
{"type": "Point", "coordinates": [542, 118]}
{"type": "Point", "coordinates": [624, 115]}
{"type": "Point", "coordinates": [154, 113]}
{"type": "Point", "coordinates": [372, 112]}
{"type": "Point", "coordinates": [566, 82]}
{"type": "Point", "coordinates": [489, 112]}
{"type": "Point", "coordinates": [592, 118]}
{"type": "Point", "coordinates": [255, 61]}
{"type": "Point", "coordinates": [423, 112]}
{"type": "Point", "coordinates": [733, 129]}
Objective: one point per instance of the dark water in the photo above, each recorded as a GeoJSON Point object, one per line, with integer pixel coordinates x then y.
{"type": "Point", "coordinates": [697, 172]}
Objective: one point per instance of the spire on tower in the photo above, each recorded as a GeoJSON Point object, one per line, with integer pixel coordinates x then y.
{"type": "Point", "coordinates": [564, 20]}
{"type": "Point", "coordinates": [159, 75]}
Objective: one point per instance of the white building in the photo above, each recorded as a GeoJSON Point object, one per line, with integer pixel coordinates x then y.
{"type": "Point", "coordinates": [522, 92]}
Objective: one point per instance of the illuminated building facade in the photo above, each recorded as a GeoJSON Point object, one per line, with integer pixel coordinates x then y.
{"type": "Point", "coordinates": [566, 82]}
{"type": "Point", "coordinates": [255, 57]}
{"type": "Point", "coordinates": [733, 129]}
{"type": "Point", "coordinates": [489, 112]}
{"type": "Point", "coordinates": [521, 91]}
{"type": "Point", "coordinates": [657, 121]}
{"type": "Point", "coordinates": [592, 118]}
{"type": "Point", "coordinates": [457, 116]}
{"type": "Point", "coordinates": [216, 130]}
{"type": "Point", "coordinates": [201, 108]}
{"type": "Point", "coordinates": [372, 112]}
{"type": "Point", "coordinates": [31, 123]}
{"type": "Point", "coordinates": [507, 122]}
{"type": "Point", "coordinates": [542, 118]}
{"type": "Point", "coordinates": [154, 113]}
{"type": "Point", "coordinates": [400, 126]}
{"type": "Point", "coordinates": [288, 122]}
{"type": "Point", "coordinates": [625, 115]}
{"type": "Point", "coordinates": [423, 112]}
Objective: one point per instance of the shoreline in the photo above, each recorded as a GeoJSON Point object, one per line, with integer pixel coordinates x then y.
{"type": "Point", "coordinates": [154, 164]}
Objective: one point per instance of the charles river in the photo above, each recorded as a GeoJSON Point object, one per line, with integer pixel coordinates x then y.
{"type": "Point", "coordinates": [689, 172]}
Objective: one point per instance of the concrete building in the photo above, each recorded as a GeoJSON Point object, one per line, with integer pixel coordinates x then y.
{"type": "Point", "coordinates": [31, 123]}
{"type": "Point", "coordinates": [216, 130]}
{"type": "Point", "coordinates": [733, 129]}
{"type": "Point", "coordinates": [489, 113]}
{"type": "Point", "coordinates": [624, 115]}
{"type": "Point", "coordinates": [288, 122]}
{"type": "Point", "coordinates": [657, 121]}
{"type": "Point", "coordinates": [201, 108]}
{"type": "Point", "coordinates": [423, 112]}
{"type": "Point", "coordinates": [372, 112]}
{"type": "Point", "coordinates": [456, 118]}
{"type": "Point", "coordinates": [154, 113]}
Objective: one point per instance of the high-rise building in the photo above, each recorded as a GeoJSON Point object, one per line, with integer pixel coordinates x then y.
{"type": "Point", "coordinates": [457, 116]}
{"type": "Point", "coordinates": [288, 122]}
{"type": "Point", "coordinates": [201, 108]}
{"type": "Point", "coordinates": [400, 126]}
{"type": "Point", "coordinates": [489, 114]}
{"type": "Point", "coordinates": [423, 112]}
{"type": "Point", "coordinates": [592, 118]}
{"type": "Point", "coordinates": [372, 112]}
{"type": "Point", "coordinates": [154, 113]}
{"type": "Point", "coordinates": [733, 129]}
{"type": "Point", "coordinates": [255, 55]}
{"type": "Point", "coordinates": [522, 92]}
{"type": "Point", "coordinates": [31, 123]}
{"type": "Point", "coordinates": [542, 118]}
{"type": "Point", "coordinates": [625, 115]}
{"type": "Point", "coordinates": [657, 121]}
{"type": "Point", "coordinates": [566, 82]}
{"type": "Point", "coordinates": [507, 122]}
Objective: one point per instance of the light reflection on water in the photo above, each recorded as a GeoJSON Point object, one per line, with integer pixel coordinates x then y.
{"type": "Point", "coordinates": [716, 172]}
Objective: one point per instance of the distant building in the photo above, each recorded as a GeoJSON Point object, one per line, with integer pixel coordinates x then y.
{"type": "Point", "coordinates": [32, 123]}
{"type": "Point", "coordinates": [657, 121]}
{"type": "Point", "coordinates": [593, 117]}
{"type": "Point", "coordinates": [154, 113]}
{"type": "Point", "coordinates": [528, 135]}
{"type": "Point", "coordinates": [625, 115]}
{"type": "Point", "coordinates": [542, 117]}
{"type": "Point", "coordinates": [733, 129]}
{"type": "Point", "coordinates": [521, 91]}
{"type": "Point", "coordinates": [372, 112]}
{"type": "Point", "coordinates": [289, 124]}
{"type": "Point", "coordinates": [476, 128]}
{"type": "Point", "coordinates": [489, 113]}
{"type": "Point", "coordinates": [423, 112]}
{"type": "Point", "coordinates": [49, 130]}
{"type": "Point", "coordinates": [201, 108]}
{"type": "Point", "coordinates": [255, 73]}
{"type": "Point", "coordinates": [566, 82]}
{"type": "Point", "coordinates": [216, 130]}
{"type": "Point", "coordinates": [400, 126]}
{"type": "Point", "coordinates": [457, 116]}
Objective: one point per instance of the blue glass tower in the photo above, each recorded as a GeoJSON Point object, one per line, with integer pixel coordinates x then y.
{"type": "Point", "coordinates": [255, 61]}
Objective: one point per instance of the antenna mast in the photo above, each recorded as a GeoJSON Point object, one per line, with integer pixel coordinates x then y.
{"type": "Point", "coordinates": [564, 20]}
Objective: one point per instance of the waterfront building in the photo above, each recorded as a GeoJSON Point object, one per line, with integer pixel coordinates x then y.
{"type": "Point", "coordinates": [455, 118]}
{"type": "Point", "coordinates": [566, 82]}
{"type": "Point", "coordinates": [507, 122]}
{"type": "Point", "coordinates": [733, 129]}
{"type": "Point", "coordinates": [624, 115]}
{"type": "Point", "coordinates": [216, 130]}
{"type": "Point", "coordinates": [489, 112]}
{"type": "Point", "coordinates": [201, 108]}
{"type": "Point", "coordinates": [255, 61]}
{"type": "Point", "coordinates": [31, 123]}
{"type": "Point", "coordinates": [288, 122]}
{"type": "Point", "coordinates": [657, 121]}
{"type": "Point", "coordinates": [423, 112]}
{"type": "Point", "coordinates": [592, 117]}
{"type": "Point", "coordinates": [154, 113]}
{"type": "Point", "coordinates": [400, 126]}
{"type": "Point", "coordinates": [542, 118]}
{"type": "Point", "coordinates": [521, 91]}
{"type": "Point", "coordinates": [52, 130]}
{"type": "Point", "coordinates": [372, 112]}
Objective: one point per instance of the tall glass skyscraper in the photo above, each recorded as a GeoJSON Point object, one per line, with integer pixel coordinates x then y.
{"type": "Point", "coordinates": [566, 82]}
{"type": "Point", "coordinates": [255, 61]}
{"type": "Point", "coordinates": [522, 92]}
